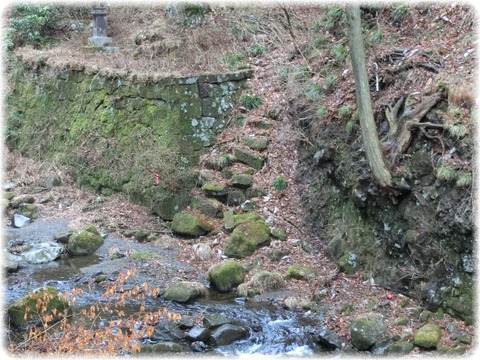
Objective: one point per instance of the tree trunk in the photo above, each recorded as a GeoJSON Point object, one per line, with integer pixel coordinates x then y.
{"type": "Point", "coordinates": [371, 142]}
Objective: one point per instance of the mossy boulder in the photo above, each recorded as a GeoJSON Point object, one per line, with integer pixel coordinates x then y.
{"type": "Point", "coordinates": [242, 181]}
{"type": "Point", "coordinates": [366, 330]}
{"type": "Point", "coordinates": [215, 189]}
{"type": "Point", "coordinates": [22, 199]}
{"type": "Point", "coordinates": [300, 272]}
{"type": "Point", "coordinates": [226, 275]}
{"type": "Point", "coordinates": [29, 210]}
{"type": "Point", "coordinates": [49, 297]}
{"type": "Point", "coordinates": [348, 263]}
{"type": "Point", "coordinates": [191, 224]}
{"type": "Point", "coordinates": [246, 238]}
{"type": "Point", "coordinates": [84, 241]}
{"type": "Point", "coordinates": [400, 348]}
{"type": "Point", "coordinates": [257, 143]}
{"type": "Point", "coordinates": [427, 336]}
{"type": "Point", "coordinates": [249, 158]}
{"type": "Point", "coordinates": [185, 291]}
{"type": "Point", "coordinates": [209, 207]}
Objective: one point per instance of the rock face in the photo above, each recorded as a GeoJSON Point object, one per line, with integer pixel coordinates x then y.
{"type": "Point", "coordinates": [226, 275]}
{"type": "Point", "coordinates": [27, 305]}
{"type": "Point", "coordinates": [246, 238]}
{"type": "Point", "coordinates": [185, 292]}
{"type": "Point", "coordinates": [84, 241]}
{"type": "Point", "coordinates": [366, 330]}
{"type": "Point", "coordinates": [427, 336]}
{"type": "Point", "coordinates": [429, 222]}
{"type": "Point", "coordinates": [177, 118]}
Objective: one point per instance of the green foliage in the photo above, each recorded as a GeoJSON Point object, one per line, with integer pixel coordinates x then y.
{"type": "Point", "coordinates": [31, 24]}
{"type": "Point", "coordinates": [322, 110]}
{"type": "Point", "coordinates": [234, 61]}
{"type": "Point", "coordinates": [226, 160]}
{"type": "Point", "coordinates": [12, 131]}
{"type": "Point", "coordinates": [330, 83]}
{"type": "Point", "coordinates": [464, 180]}
{"type": "Point", "coordinates": [375, 37]}
{"type": "Point", "coordinates": [399, 13]}
{"type": "Point", "coordinates": [446, 173]}
{"type": "Point", "coordinates": [279, 183]}
{"type": "Point", "coordinates": [456, 130]}
{"type": "Point", "coordinates": [340, 53]}
{"type": "Point", "coordinates": [333, 17]}
{"type": "Point", "coordinates": [320, 42]}
{"type": "Point", "coordinates": [345, 112]}
{"type": "Point", "coordinates": [313, 91]}
{"type": "Point", "coordinates": [251, 101]}
{"type": "Point", "coordinates": [350, 127]}
{"type": "Point", "coordinates": [256, 50]}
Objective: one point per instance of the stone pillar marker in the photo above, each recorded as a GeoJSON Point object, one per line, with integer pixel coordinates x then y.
{"type": "Point", "coordinates": [100, 29]}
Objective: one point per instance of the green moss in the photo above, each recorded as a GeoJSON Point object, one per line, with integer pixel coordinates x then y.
{"type": "Point", "coordinates": [300, 272]}
{"type": "Point", "coordinates": [226, 275]}
{"type": "Point", "coordinates": [50, 297]}
{"type": "Point", "coordinates": [246, 238]}
{"type": "Point", "coordinates": [427, 336]}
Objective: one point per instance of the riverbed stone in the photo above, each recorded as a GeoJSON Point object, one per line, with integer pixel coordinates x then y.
{"type": "Point", "coordinates": [226, 275]}
{"type": "Point", "coordinates": [329, 339]}
{"type": "Point", "coordinates": [185, 292]}
{"type": "Point", "coordinates": [427, 336]}
{"type": "Point", "coordinates": [213, 321]}
{"type": "Point", "coordinates": [27, 305]}
{"type": "Point", "coordinates": [164, 347]}
{"type": "Point", "coordinates": [84, 241]}
{"type": "Point", "coordinates": [366, 330]}
{"type": "Point", "coordinates": [191, 224]}
{"type": "Point", "coordinates": [19, 221]}
{"type": "Point", "coordinates": [246, 238]}
{"type": "Point", "coordinates": [227, 334]}
{"type": "Point", "coordinates": [198, 333]}
{"type": "Point", "coordinates": [42, 253]}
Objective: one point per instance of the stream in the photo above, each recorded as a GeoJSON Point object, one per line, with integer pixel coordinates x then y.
{"type": "Point", "coordinates": [272, 330]}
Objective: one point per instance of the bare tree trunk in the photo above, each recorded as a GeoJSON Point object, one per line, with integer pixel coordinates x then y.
{"type": "Point", "coordinates": [371, 142]}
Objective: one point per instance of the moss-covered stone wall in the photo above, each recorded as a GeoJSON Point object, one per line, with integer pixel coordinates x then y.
{"type": "Point", "coordinates": [115, 133]}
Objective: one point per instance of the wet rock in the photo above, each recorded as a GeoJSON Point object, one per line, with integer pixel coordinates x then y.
{"type": "Point", "coordinates": [42, 253]}
{"type": "Point", "coordinates": [185, 292]}
{"type": "Point", "coordinates": [366, 330]}
{"type": "Point", "coordinates": [226, 275]}
{"type": "Point", "coordinates": [19, 221]}
{"type": "Point", "coordinates": [27, 305]}
{"type": "Point", "coordinates": [198, 346]}
{"type": "Point", "coordinates": [227, 334]}
{"type": "Point", "coordinates": [164, 347]}
{"type": "Point", "coordinates": [198, 334]}
{"type": "Point", "coordinates": [213, 321]}
{"type": "Point", "coordinates": [191, 224]}
{"type": "Point", "coordinates": [427, 336]}
{"type": "Point", "coordinates": [329, 340]}
{"type": "Point", "coordinates": [11, 263]}
{"type": "Point", "coordinates": [246, 238]}
{"type": "Point", "coordinates": [84, 241]}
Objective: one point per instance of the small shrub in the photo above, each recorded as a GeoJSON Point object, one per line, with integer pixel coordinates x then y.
{"type": "Point", "coordinates": [322, 111]}
{"type": "Point", "coordinates": [345, 112]}
{"type": "Point", "coordinates": [251, 101]}
{"type": "Point", "coordinates": [464, 180]}
{"type": "Point", "coordinates": [340, 53]}
{"type": "Point", "coordinates": [257, 50]}
{"type": "Point", "coordinates": [376, 37]}
{"type": "Point", "coordinates": [456, 130]}
{"type": "Point", "coordinates": [234, 61]}
{"type": "Point", "coordinates": [313, 91]}
{"type": "Point", "coordinates": [446, 173]}
{"type": "Point", "coordinates": [330, 83]}
{"type": "Point", "coordinates": [350, 127]}
{"type": "Point", "coordinates": [279, 183]}
{"type": "Point", "coordinates": [399, 13]}
{"type": "Point", "coordinates": [226, 160]}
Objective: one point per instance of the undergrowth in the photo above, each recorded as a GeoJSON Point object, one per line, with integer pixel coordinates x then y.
{"type": "Point", "coordinates": [103, 328]}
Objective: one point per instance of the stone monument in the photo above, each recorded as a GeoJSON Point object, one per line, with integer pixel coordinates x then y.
{"type": "Point", "coordinates": [99, 37]}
